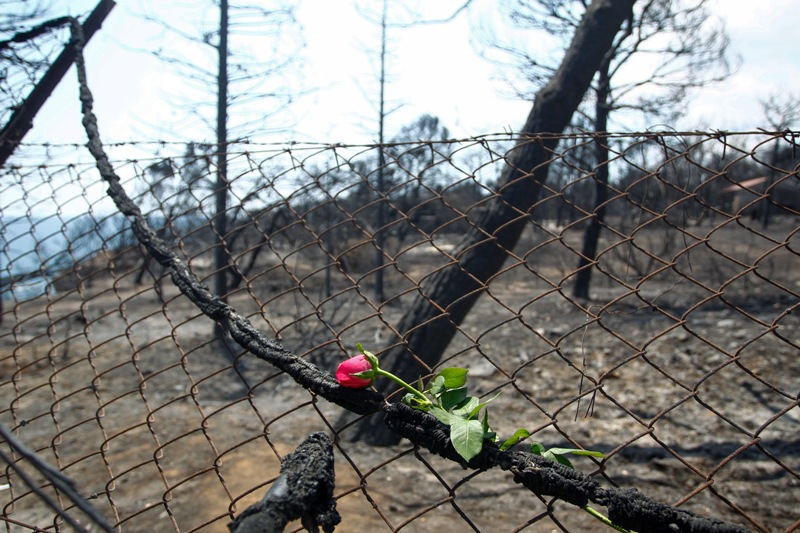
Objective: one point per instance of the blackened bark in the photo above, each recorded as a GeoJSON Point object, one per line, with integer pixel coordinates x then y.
{"type": "Point", "coordinates": [222, 256]}
{"type": "Point", "coordinates": [380, 236]}
{"type": "Point", "coordinates": [304, 490]}
{"type": "Point", "coordinates": [445, 298]}
{"type": "Point", "coordinates": [591, 236]}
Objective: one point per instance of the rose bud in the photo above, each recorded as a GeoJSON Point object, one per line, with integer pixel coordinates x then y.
{"type": "Point", "coordinates": [355, 373]}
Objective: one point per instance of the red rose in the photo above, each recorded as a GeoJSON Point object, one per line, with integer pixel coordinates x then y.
{"type": "Point", "coordinates": [355, 373]}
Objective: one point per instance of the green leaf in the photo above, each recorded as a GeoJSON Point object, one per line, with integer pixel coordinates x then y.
{"type": "Point", "coordinates": [519, 435]}
{"type": "Point", "coordinates": [488, 434]}
{"type": "Point", "coordinates": [452, 398]}
{"type": "Point", "coordinates": [557, 454]}
{"type": "Point", "coordinates": [537, 448]}
{"type": "Point", "coordinates": [574, 451]}
{"type": "Point", "coordinates": [437, 386]}
{"type": "Point", "coordinates": [465, 408]}
{"type": "Point", "coordinates": [444, 417]}
{"type": "Point", "coordinates": [454, 377]}
{"type": "Point", "coordinates": [467, 437]}
{"type": "Point", "coordinates": [558, 458]}
{"type": "Point", "coordinates": [480, 406]}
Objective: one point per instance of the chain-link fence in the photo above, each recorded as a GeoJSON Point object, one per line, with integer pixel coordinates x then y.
{"type": "Point", "coordinates": [671, 346]}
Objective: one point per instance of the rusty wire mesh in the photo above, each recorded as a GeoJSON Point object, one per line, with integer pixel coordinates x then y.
{"type": "Point", "coordinates": [682, 366]}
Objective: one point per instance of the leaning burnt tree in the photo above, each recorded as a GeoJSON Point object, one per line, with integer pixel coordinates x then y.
{"type": "Point", "coordinates": [688, 47]}
{"type": "Point", "coordinates": [445, 297]}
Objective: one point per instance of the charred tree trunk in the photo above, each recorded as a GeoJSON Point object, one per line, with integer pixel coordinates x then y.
{"type": "Point", "coordinates": [221, 253]}
{"type": "Point", "coordinates": [591, 236]}
{"type": "Point", "coordinates": [380, 235]}
{"type": "Point", "coordinates": [445, 298]}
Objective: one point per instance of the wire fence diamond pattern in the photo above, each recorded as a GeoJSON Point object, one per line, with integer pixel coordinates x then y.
{"type": "Point", "coordinates": [681, 365]}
